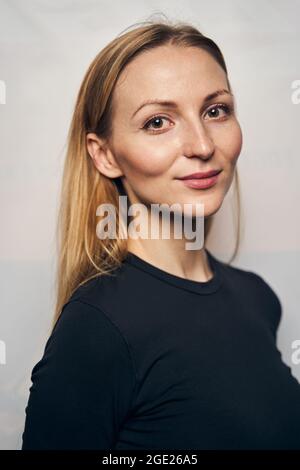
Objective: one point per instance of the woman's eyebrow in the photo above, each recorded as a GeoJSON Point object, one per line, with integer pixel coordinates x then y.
{"type": "Point", "coordinates": [173, 104]}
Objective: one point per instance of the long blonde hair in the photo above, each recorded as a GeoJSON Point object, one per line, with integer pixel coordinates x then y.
{"type": "Point", "coordinates": [81, 254]}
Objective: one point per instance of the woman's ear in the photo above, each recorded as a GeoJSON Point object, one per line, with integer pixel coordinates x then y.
{"type": "Point", "coordinates": [102, 156]}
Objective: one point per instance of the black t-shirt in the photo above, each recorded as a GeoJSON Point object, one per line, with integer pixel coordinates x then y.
{"type": "Point", "coordinates": [145, 359]}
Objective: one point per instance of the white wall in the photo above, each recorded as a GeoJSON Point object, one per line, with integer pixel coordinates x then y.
{"type": "Point", "coordinates": [45, 49]}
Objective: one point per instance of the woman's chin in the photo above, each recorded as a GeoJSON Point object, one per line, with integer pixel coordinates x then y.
{"type": "Point", "coordinates": [202, 205]}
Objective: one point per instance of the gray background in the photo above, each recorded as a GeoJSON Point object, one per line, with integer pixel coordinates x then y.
{"type": "Point", "coordinates": [45, 49]}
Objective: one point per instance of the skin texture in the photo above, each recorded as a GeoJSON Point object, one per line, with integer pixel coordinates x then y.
{"type": "Point", "coordinates": [195, 136]}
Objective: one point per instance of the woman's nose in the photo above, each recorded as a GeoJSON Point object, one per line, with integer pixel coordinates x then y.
{"type": "Point", "coordinates": [197, 142]}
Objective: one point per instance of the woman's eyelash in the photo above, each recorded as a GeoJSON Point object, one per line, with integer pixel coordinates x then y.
{"type": "Point", "coordinates": [225, 107]}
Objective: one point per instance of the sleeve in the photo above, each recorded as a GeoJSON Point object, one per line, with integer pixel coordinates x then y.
{"type": "Point", "coordinates": [82, 388]}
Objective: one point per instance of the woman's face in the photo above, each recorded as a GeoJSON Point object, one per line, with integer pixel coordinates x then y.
{"type": "Point", "coordinates": [155, 145]}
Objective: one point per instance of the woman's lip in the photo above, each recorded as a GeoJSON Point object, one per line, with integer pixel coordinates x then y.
{"type": "Point", "coordinates": [201, 174]}
{"type": "Point", "coordinates": [201, 183]}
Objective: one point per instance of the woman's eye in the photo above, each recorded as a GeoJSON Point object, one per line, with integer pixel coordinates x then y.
{"type": "Point", "coordinates": [214, 111]}
{"type": "Point", "coordinates": [156, 122]}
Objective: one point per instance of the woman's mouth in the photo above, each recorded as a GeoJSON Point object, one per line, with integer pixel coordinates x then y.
{"type": "Point", "coordinates": [201, 182]}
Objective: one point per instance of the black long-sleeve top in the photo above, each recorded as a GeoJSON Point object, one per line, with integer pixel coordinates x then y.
{"type": "Point", "coordinates": [145, 359]}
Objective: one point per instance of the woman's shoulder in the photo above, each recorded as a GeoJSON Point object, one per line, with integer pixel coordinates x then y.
{"type": "Point", "coordinates": [251, 277]}
{"type": "Point", "coordinates": [87, 307]}
{"type": "Point", "coordinates": [257, 281]}
{"type": "Point", "coordinates": [255, 289]}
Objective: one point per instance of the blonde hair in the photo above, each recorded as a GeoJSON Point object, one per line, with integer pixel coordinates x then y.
{"type": "Point", "coordinates": [81, 254]}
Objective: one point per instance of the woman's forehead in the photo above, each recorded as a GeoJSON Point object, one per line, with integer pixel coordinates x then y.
{"type": "Point", "coordinates": [159, 74]}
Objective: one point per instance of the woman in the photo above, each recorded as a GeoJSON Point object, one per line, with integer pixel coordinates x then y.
{"type": "Point", "coordinates": [155, 346]}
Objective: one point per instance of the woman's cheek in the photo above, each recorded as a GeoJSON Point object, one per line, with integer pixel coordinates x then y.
{"type": "Point", "coordinates": [230, 141]}
{"type": "Point", "coordinates": [236, 141]}
{"type": "Point", "coordinates": [149, 162]}
{"type": "Point", "coordinates": [134, 160]}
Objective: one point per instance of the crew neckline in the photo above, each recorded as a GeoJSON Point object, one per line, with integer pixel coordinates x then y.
{"type": "Point", "coordinates": [205, 287]}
